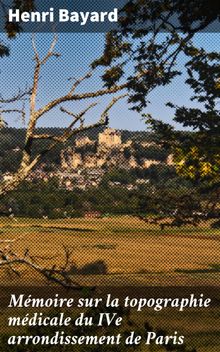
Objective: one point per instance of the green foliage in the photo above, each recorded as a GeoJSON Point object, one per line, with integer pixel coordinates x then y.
{"type": "Point", "coordinates": [152, 63]}
{"type": "Point", "coordinates": [112, 196]}
{"type": "Point", "coordinates": [197, 154]}
{"type": "Point", "coordinates": [13, 29]}
{"type": "Point", "coordinates": [160, 174]}
{"type": "Point", "coordinates": [138, 44]}
{"type": "Point", "coordinates": [4, 50]}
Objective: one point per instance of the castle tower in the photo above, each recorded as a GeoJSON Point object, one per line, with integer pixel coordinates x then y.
{"type": "Point", "coordinates": [110, 137]}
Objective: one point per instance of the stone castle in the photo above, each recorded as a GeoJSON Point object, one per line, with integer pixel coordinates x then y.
{"type": "Point", "coordinates": [107, 151]}
{"type": "Point", "coordinates": [107, 140]}
{"type": "Point", "coordinates": [85, 162]}
{"type": "Point", "coordinates": [110, 138]}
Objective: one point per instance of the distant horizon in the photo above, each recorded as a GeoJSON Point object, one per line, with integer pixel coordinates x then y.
{"type": "Point", "coordinates": [80, 132]}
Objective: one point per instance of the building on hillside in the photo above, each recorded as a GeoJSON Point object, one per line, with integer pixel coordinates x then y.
{"type": "Point", "coordinates": [146, 163]}
{"type": "Point", "coordinates": [80, 142]}
{"type": "Point", "coordinates": [110, 137]}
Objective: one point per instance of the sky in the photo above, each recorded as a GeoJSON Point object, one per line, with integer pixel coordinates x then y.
{"type": "Point", "coordinates": [78, 50]}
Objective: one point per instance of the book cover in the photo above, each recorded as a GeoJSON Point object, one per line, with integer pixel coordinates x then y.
{"type": "Point", "coordinates": [109, 176]}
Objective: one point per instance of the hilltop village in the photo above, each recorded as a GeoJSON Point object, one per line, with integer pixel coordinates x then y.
{"type": "Point", "coordinates": [84, 163]}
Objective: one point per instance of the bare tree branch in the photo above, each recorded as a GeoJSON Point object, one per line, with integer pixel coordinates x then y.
{"type": "Point", "coordinates": [36, 57]}
{"type": "Point", "coordinates": [9, 111]}
{"type": "Point", "coordinates": [27, 164]}
{"type": "Point", "coordinates": [103, 121]}
{"type": "Point", "coordinates": [46, 136]}
{"type": "Point", "coordinates": [80, 96]}
{"type": "Point", "coordinates": [79, 80]}
{"type": "Point", "coordinates": [61, 275]}
{"type": "Point", "coordinates": [78, 117]}
{"type": "Point", "coordinates": [21, 95]}
{"type": "Point", "coordinates": [113, 102]}
{"type": "Point", "coordinates": [51, 52]}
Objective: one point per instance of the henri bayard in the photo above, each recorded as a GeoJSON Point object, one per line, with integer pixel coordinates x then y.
{"type": "Point", "coordinates": [64, 16]}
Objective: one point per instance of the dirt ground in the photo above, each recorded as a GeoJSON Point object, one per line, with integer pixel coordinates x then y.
{"type": "Point", "coordinates": [132, 251]}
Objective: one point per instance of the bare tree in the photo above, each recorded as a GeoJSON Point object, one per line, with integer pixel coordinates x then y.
{"type": "Point", "coordinates": [29, 161]}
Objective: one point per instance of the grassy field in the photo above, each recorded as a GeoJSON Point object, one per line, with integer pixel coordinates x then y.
{"type": "Point", "coordinates": [133, 251]}
{"type": "Point", "coordinates": [135, 254]}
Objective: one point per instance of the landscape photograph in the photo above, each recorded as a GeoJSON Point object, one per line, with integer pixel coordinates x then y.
{"type": "Point", "coordinates": [109, 166]}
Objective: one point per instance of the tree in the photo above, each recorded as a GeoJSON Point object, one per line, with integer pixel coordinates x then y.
{"type": "Point", "coordinates": [197, 154]}
{"type": "Point", "coordinates": [9, 258]}
{"type": "Point", "coordinates": [139, 43]}
{"type": "Point", "coordinates": [77, 125]}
